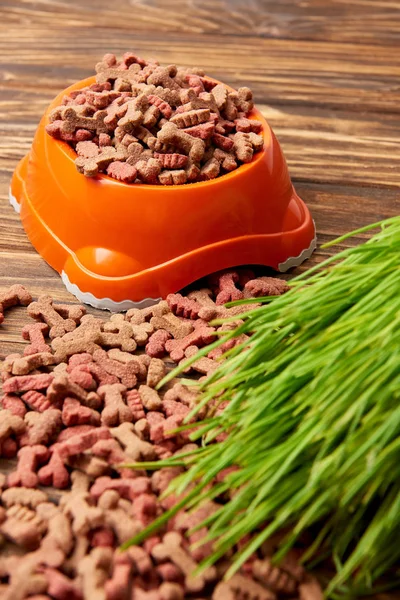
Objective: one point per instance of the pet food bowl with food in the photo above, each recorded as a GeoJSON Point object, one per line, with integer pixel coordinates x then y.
{"type": "Point", "coordinates": [118, 245]}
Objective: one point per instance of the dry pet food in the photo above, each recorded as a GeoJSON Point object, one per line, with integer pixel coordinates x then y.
{"type": "Point", "coordinates": [79, 403]}
{"type": "Point", "coordinates": [144, 123]}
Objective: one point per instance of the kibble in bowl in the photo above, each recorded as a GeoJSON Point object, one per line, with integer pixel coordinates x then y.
{"type": "Point", "coordinates": [145, 178]}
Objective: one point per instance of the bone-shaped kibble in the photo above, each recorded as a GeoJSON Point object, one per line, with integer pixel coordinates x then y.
{"type": "Point", "coordinates": [171, 549]}
{"type": "Point", "coordinates": [42, 428]}
{"type": "Point", "coordinates": [199, 337]}
{"type": "Point", "coordinates": [23, 496]}
{"type": "Point", "coordinates": [126, 488]}
{"type": "Point", "coordinates": [118, 586]}
{"type": "Point", "coordinates": [230, 111]}
{"type": "Point", "coordinates": [23, 527]}
{"type": "Point", "coordinates": [210, 310]}
{"type": "Point", "coordinates": [115, 410]}
{"type": "Point", "coordinates": [170, 134]}
{"type": "Point", "coordinates": [94, 571]}
{"type": "Point", "coordinates": [240, 586]}
{"type": "Point", "coordinates": [123, 526]}
{"type": "Point", "coordinates": [16, 295]}
{"type": "Point", "coordinates": [45, 310]}
{"type": "Point", "coordinates": [107, 73]}
{"type": "Point", "coordinates": [163, 76]}
{"type": "Point", "coordinates": [76, 505]}
{"type": "Point", "coordinates": [150, 398]}
{"type": "Point", "coordinates": [126, 373]}
{"type": "Point", "coordinates": [24, 383]}
{"type": "Point", "coordinates": [226, 159]}
{"type": "Point", "coordinates": [155, 372]}
{"type": "Point", "coordinates": [155, 348]}
{"type": "Point", "coordinates": [91, 167]}
{"type": "Point", "coordinates": [86, 339]}
{"type": "Point", "coordinates": [177, 327]}
{"type": "Point", "coordinates": [135, 403]}
{"type": "Point", "coordinates": [62, 387]}
{"type": "Point", "coordinates": [29, 459]}
{"type": "Point", "coordinates": [25, 364]}
{"type": "Point", "coordinates": [265, 286]}
{"type": "Point", "coordinates": [35, 333]}
{"type": "Point", "coordinates": [225, 284]}
{"type": "Point", "coordinates": [73, 413]}
{"type": "Point", "coordinates": [59, 533]}
{"type": "Point", "coordinates": [171, 161]}
{"type": "Point", "coordinates": [54, 473]}
{"type": "Point", "coordinates": [118, 334]}
{"type": "Point", "coordinates": [134, 114]}
{"type": "Point", "coordinates": [134, 448]}
{"type": "Point", "coordinates": [163, 106]}
{"type": "Point", "coordinates": [10, 425]}
{"type": "Point", "coordinates": [77, 444]}
{"type": "Point", "coordinates": [92, 466]}
{"type": "Point", "coordinates": [61, 587]}
{"type": "Point", "coordinates": [203, 365]}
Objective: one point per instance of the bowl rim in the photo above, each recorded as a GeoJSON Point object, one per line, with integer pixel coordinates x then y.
{"type": "Point", "coordinates": [71, 155]}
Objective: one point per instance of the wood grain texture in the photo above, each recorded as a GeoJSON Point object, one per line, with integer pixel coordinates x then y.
{"type": "Point", "coordinates": [325, 74]}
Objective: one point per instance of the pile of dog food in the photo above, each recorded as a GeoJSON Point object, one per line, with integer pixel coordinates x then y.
{"type": "Point", "coordinates": [145, 123]}
{"type": "Point", "coordinates": [79, 404]}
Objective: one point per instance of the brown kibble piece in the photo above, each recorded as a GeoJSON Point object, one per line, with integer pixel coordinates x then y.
{"type": "Point", "coordinates": [243, 147]}
{"type": "Point", "coordinates": [177, 327]}
{"type": "Point", "coordinates": [155, 347]}
{"type": "Point", "coordinates": [54, 473]}
{"type": "Point", "coordinates": [62, 387]}
{"type": "Point", "coordinates": [178, 177]}
{"type": "Point", "coordinates": [210, 170]}
{"type": "Point", "coordinates": [42, 428]}
{"type": "Point", "coordinates": [156, 372]}
{"type": "Point", "coordinates": [35, 333]}
{"type": "Point", "coordinates": [23, 527]}
{"type": "Point", "coordinates": [90, 167]}
{"type": "Point", "coordinates": [170, 134]}
{"type": "Point", "coordinates": [265, 286]}
{"type": "Point", "coordinates": [29, 459]}
{"type": "Point", "coordinates": [59, 318]}
{"type": "Point", "coordinates": [203, 365]}
{"type": "Point", "coordinates": [16, 295]}
{"type": "Point", "coordinates": [134, 448]}
{"type": "Point", "coordinates": [94, 570]}
{"type": "Point", "coordinates": [14, 404]}
{"type": "Point", "coordinates": [239, 586]}
{"type": "Point", "coordinates": [25, 364]}
{"type": "Point", "coordinates": [122, 171]}
{"type": "Point", "coordinates": [23, 383]}
{"type": "Point", "coordinates": [73, 413]}
{"type": "Point", "coordinates": [199, 337]}
{"type": "Point", "coordinates": [171, 549]}
{"type": "Point", "coordinates": [115, 410]}
{"type": "Point", "coordinates": [150, 398]}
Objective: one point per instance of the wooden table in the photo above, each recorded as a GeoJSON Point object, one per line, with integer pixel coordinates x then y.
{"type": "Point", "coordinates": [325, 74]}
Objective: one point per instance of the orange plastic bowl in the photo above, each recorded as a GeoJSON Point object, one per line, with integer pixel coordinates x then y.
{"type": "Point", "coordinates": [118, 245]}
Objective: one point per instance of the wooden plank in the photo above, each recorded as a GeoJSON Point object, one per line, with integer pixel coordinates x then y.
{"type": "Point", "coordinates": [355, 21]}
{"type": "Point", "coordinates": [354, 77]}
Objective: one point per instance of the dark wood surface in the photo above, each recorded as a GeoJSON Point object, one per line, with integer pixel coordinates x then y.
{"type": "Point", "coordinates": [325, 74]}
